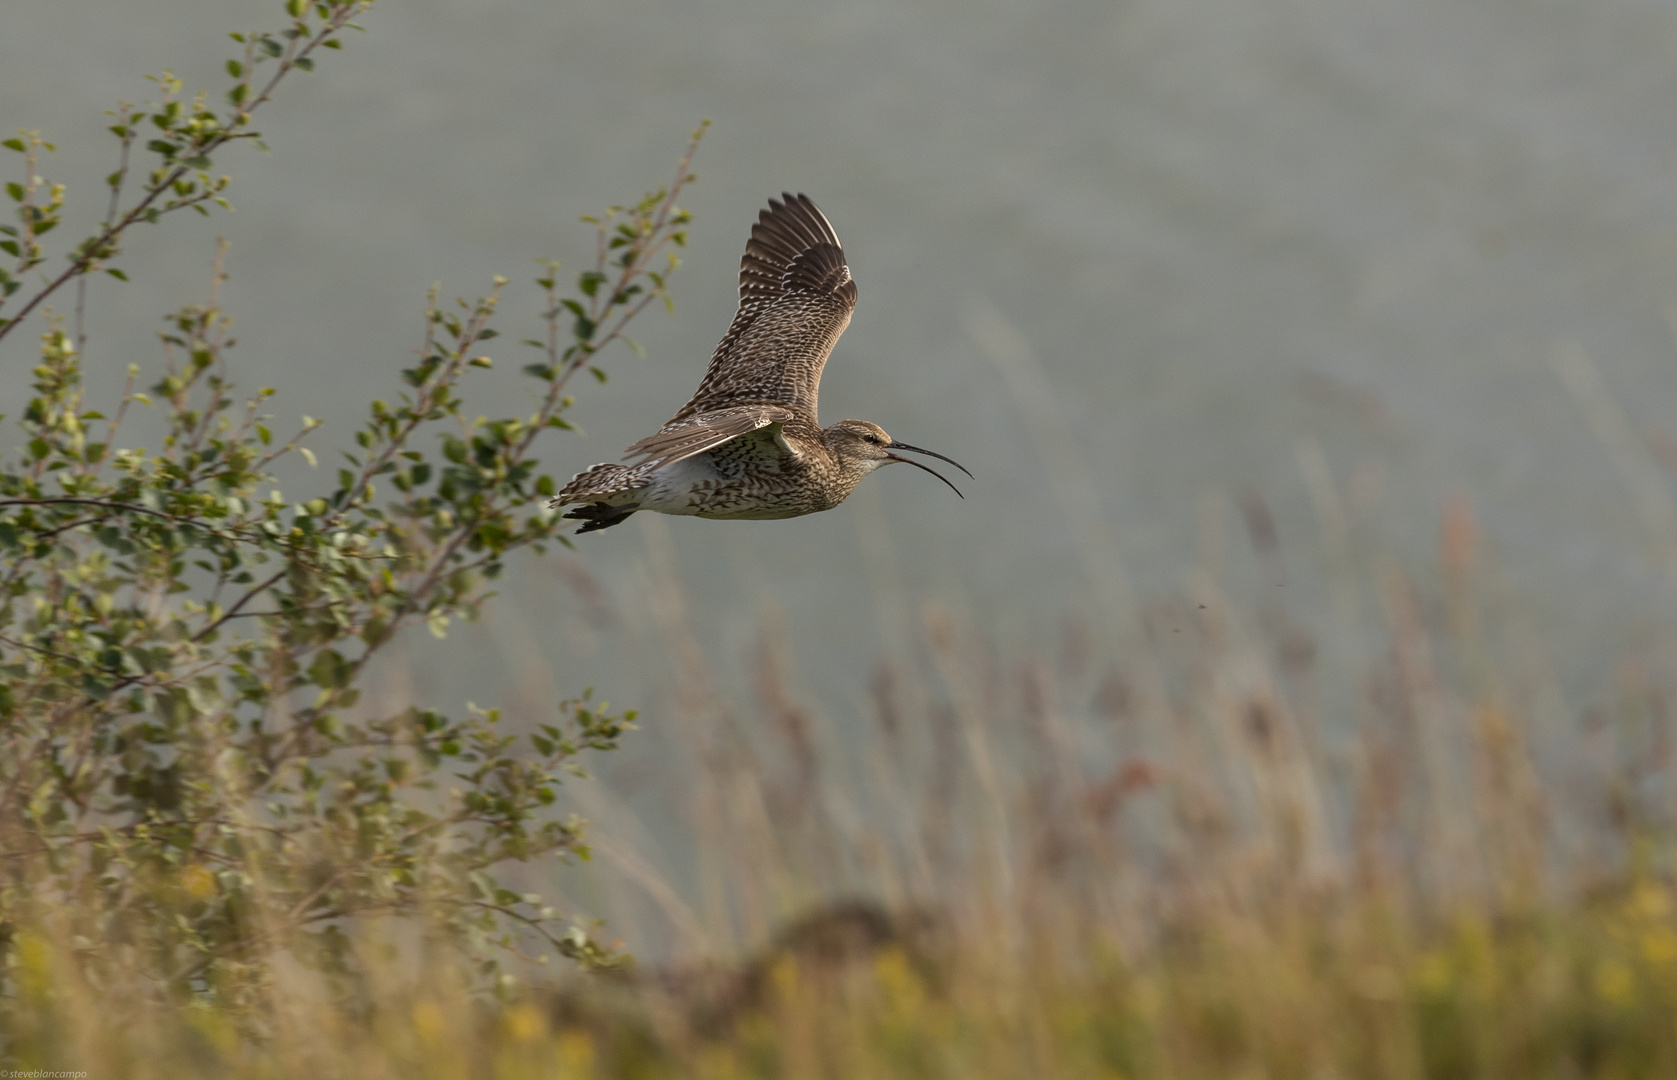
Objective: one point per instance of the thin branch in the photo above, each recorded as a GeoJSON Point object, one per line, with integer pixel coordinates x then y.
{"type": "Point", "coordinates": [122, 507]}
{"type": "Point", "coordinates": [538, 925]}
{"type": "Point", "coordinates": [250, 594]}
{"type": "Point", "coordinates": [555, 394]}
{"type": "Point", "coordinates": [99, 246]}
{"type": "Point", "coordinates": [66, 657]}
{"type": "Point", "coordinates": [120, 177]}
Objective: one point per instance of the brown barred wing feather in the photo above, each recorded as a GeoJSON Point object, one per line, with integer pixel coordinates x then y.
{"type": "Point", "coordinates": [682, 438]}
{"type": "Point", "coordinates": [796, 296]}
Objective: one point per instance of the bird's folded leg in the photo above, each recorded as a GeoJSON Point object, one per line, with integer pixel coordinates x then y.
{"type": "Point", "coordinates": [599, 515]}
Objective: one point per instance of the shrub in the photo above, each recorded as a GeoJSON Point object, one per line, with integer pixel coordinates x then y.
{"type": "Point", "coordinates": [187, 783]}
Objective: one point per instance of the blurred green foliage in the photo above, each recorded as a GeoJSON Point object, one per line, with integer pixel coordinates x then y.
{"type": "Point", "coordinates": [189, 784]}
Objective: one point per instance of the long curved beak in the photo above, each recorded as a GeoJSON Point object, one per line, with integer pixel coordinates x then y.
{"type": "Point", "coordinates": [917, 465]}
{"type": "Point", "coordinates": [932, 453]}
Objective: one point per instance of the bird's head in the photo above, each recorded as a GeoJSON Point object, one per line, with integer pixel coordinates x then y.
{"type": "Point", "coordinates": [862, 447]}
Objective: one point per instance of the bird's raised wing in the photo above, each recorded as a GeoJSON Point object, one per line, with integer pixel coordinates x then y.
{"type": "Point", "coordinates": [684, 437]}
{"type": "Point", "coordinates": [796, 296]}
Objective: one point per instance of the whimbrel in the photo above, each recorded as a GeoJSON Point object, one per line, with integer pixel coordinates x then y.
{"type": "Point", "coordinates": [749, 445]}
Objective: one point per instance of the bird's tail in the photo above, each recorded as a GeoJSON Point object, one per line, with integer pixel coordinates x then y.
{"type": "Point", "coordinates": [614, 485]}
{"type": "Point", "coordinates": [610, 493]}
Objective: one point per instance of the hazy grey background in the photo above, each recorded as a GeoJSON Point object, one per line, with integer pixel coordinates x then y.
{"type": "Point", "coordinates": [1227, 229]}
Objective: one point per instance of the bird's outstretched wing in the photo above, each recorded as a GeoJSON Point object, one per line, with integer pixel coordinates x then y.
{"type": "Point", "coordinates": [682, 438]}
{"type": "Point", "coordinates": [796, 296]}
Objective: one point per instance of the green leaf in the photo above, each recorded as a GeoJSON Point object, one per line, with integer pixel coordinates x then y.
{"type": "Point", "coordinates": [15, 190]}
{"type": "Point", "coordinates": [330, 670]}
{"type": "Point", "coordinates": [304, 62]}
{"type": "Point", "coordinates": [235, 69]}
{"type": "Point", "coordinates": [118, 274]}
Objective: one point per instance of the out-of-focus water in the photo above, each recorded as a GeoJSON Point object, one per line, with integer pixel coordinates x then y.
{"type": "Point", "coordinates": [1227, 230]}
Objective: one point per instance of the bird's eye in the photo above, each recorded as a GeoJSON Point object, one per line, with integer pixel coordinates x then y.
{"type": "Point", "coordinates": [872, 438]}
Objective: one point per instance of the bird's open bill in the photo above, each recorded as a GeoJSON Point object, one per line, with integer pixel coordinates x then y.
{"type": "Point", "coordinates": [933, 453]}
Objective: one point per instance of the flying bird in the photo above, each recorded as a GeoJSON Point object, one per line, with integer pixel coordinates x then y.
{"type": "Point", "coordinates": [749, 444]}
